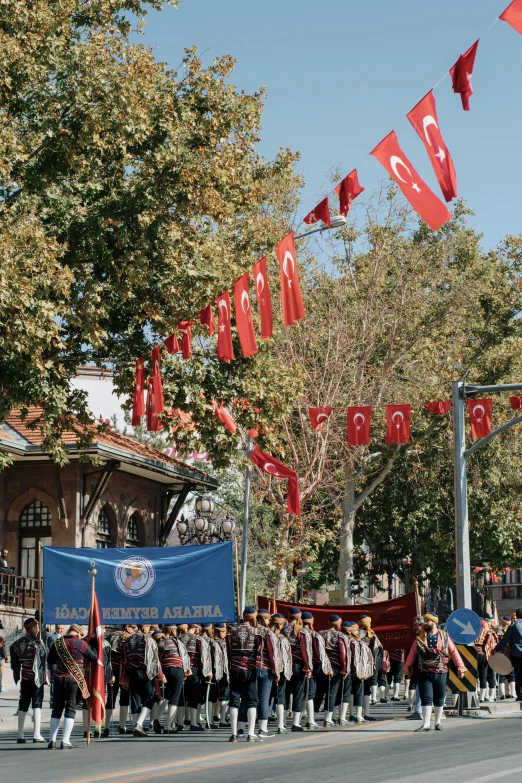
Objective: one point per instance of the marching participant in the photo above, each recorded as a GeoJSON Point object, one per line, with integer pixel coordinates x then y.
{"type": "Point", "coordinates": [320, 666]}
{"type": "Point", "coordinates": [485, 643]}
{"type": "Point", "coordinates": [68, 654]}
{"type": "Point", "coordinates": [505, 622]}
{"type": "Point", "coordinates": [198, 649]}
{"type": "Point", "coordinates": [266, 670]}
{"type": "Point", "coordinates": [432, 650]}
{"type": "Point", "coordinates": [140, 667]}
{"type": "Point", "coordinates": [301, 644]}
{"type": "Point", "coordinates": [394, 674]}
{"type": "Point", "coordinates": [28, 665]}
{"type": "Point", "coordinates": [369, 637]}
{"type": "Point", "coordinates": [283, 669]}
{"type": "Point", "coordinates": [263, 618]}
{"type": "Point", "coordinates": [244, 646]}
{"type": "Point", "coordinates": [222, 682]}
{"type": "Point", "coordinates": [361, 667]}
{"type": "Point", "coordinates": [330, 681]}
{"type": "Point", "coordinates": [116, 642]}
{"type": "Point", "coordinates": [175, 665]}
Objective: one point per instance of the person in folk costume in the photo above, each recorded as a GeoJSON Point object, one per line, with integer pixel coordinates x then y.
{"type": "Point", "coordinates": [414, 695]}
{"type": "Point", "coordinates": [109, 680]}
{"type": "Point", "coordinates": [68, 654]}
{"type": "Point", "coordinates": [394, 672]}
{"type": "Point", "coordinates": [182, 714]}
{"type": "Point", "coordinates": [266, 672]}
{"type": "Point", "coordinates": [301, 643]}
{"type": "Point", "coordinates": [432, 650]}
{"type": "Point", "coordinates": [484, 644]}
{"type": "Point", "coordinates": [28, 655]}
{"type": "Point", "coordinates": [345, 697]}
{"type": "Point", "coordinates": [329, 682]}
{"type": "Point", "coordinates": [175, 665]}
{"type": "Point", "coordinates": [382, 679]}
{"type": "Point", "coordinates": [160, 702]}
{"type": "Point", "coordinates": [283, 659]}
{"type": "Point", "coordinates": [244, 646]}
{"type": "Point", "coordinates": [198, 649]}
{"type": "Point", "coordinates": [116, 641]}
{"type": "Point", "coordinates": [221, 673]}
{"type": "Point", "coordinates": [369, 637]}
{"type": "Point", "coordinates": [360, 664]}
{"type": "Point", "coordinates": [505, 622]}
{"type": "Point", "coordinates": [320, 666]}
{"type": "Point", "coordinates": [140, 667]}
{"type": "Point", "coordinates": [263, 618]}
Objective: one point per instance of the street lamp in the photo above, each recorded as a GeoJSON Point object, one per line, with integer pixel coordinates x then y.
{"type": "Point", "coordinates": [201, 528]}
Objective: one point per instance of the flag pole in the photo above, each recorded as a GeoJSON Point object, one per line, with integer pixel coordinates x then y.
{"type": "Point", "coordinates": [246, 516]}
{"type": "Point", "coordinates": [40, 590]}
{"type": "Point", "coordinates": [92, 572]}
{"type": "Point", "coordinates": [237, 580]}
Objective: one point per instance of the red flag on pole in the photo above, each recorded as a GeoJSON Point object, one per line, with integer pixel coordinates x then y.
{"type": "Point", "coordinates": [224, 417]}
{"type": "Point", "coordinates": [424, 119]}
{"type": "Point", "coordinates": [225, 350]}
{"type": "Point", "coordinates": [516, 403]}
{"type": "Point", "coordinates": [398, 423]}
{"type": "Point", "coordinates": [318, 416]}
{"type": "Point", "coordinates": [291, 299]}
{"type": "Point", "coordinates": [423, 200]}
{"type": "Point", "coordinates": [157, 385]}
{"type": "Point", "coordinates": [171, 343]}
{"type": "Point", "coordinates": [513, 15]}
{"type": "Point", "coordinates": [97, 672]}
{"type": "Point", "coordinates": [480, 417]}
{"type": "Point", "coordinates": [347, 190]}
{"type": "Point", "coordinates": [320, 212]}
{"type": "Point", "coordinates": [186, 338]}
{"type": "Point", "coordinates": [153, 423]}
{"type": "Point", "coordinates": [461, 75]}
{"type": "Point", "coordinates": [273, 467]}
{"type": "Point", "coordinates": [264, 300]}
{"type": "Point", "coordinates": [138, 401]}
{"type": "Point", "coordinates": [206, 317]}
{"type": "Point", "coordinates": [243, 311]}
{"type": "Point", "coordinates": [358, 420]}
{"type": "Point", "coordinates": [438, 408]}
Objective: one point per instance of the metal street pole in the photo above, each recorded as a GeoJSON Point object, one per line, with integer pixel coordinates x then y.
{"type": "Point", "coordinates": [463, 563]}
{"type": "Point", "coordinates": [246, 515]}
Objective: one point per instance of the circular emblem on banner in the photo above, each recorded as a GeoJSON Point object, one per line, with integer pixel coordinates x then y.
{"type": "Point", "coordinates": [135, 576]}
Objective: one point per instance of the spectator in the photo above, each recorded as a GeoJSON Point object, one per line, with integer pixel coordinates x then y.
{"type": "Point", "coordinates": [3, 559]}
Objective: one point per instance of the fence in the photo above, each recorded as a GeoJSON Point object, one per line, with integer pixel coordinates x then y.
{"type": "Point", "coordinates": [22, 592]}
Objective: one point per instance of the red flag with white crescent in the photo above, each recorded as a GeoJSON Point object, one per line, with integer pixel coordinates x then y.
{"type": "Point", "coordinates": [186, 338]}
{"type": "Point", "coordinates": [97, 670]}
{"type": "Point", "coordinates": [358, 419]}
{"type": "Point", "coordinates": [273, 467]}
{"type": "Point", "coordinates": [398, 423]}
{"type": "Point", "coordinates": [480, 417]}
{"type": "Point", "coordinates": [224, 417]}
{"type": "Point", "coordinates": [461, 74]}
{"type": "Point", "coordinates": [423, 200]}
{"type": "Point", "coordinates": [157, 385]}
{"type": "Point", "coordinates": [153, 423]}
{"type": "Point", "coordinates": [348, 190]}
{"type": "Point", "coordinates": [243, 311]}
{"type": "Point", "coordinates": [171, 343]}
{"type": "Point", "coordinates": [138, 400]}
{"type": "Point", "coordinates": [320, 212]}
{"type": "Point", "coordinates": [424, 119]}
{"type": "Point", "coordinates": [513, 15]}
{"type": "Point", "coordinates": [206, 318]}
{"type": "Point", "coordinates": [264, 300]}
{"type": "Point", "coordinates": [291, 298]}
{"type": "Point", "coordinates": [438, 408]}
{"type": "Point", "coordinates": [318, 416]}
{"type": "Point", "coordinates": [225, 350]}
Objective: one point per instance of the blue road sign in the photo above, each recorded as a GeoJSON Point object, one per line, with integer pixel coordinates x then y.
{"type": "Point", "coordinates": [464, 626]}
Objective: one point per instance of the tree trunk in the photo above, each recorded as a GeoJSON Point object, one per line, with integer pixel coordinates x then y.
{"type": "Point", "coordinates": [349, 511]}
{"type": "Point", "coordinates": [281, 581]}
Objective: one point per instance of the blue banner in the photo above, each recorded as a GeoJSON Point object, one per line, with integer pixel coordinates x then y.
{"type": "Point", "coordinates": [155, 585]}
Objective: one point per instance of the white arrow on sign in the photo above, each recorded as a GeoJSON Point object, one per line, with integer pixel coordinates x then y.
{"type": "Point", "coordinates": [467, 628]}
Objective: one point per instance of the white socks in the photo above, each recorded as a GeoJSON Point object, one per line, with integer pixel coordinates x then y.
{"type": "Point", "coordinates": [411, 697]}
{"type": "Point", "coordinates": [344, 709]}
{"type": "Point", "coordinates": [384, 691]}
{"type": "Point", "coordinates": [328, 716]}
{"type": "Point", "coordinates": [68, 724]}
{"type": "Point", "coordinates": [358, 714]}
{"type": "Point", "coordinates": [171, 716]}
{"type": "Point", "coordinates": [396, 688]}
{"type": "Point", "coordinates": [37, 720]}
{"type": "Point", "coordinates": [502, 689]}
{"type": "Point", "coordinates": [161, 708]}
{"type": "Point", "coordinates": [512, 689]}
{"type": "Point", "coordinates": [366, 704]}
{"type": "Point", "coordinates": [280, 711]}
{"type": "Point", "coordinates": [263, 725]}
{"type": "Point", "coordinates": [21, 721]}
{"type": "Point", "coordinates": [297, 719]}
{"type": "Point", "coordinates": [134, 717]}
{"type": "Point", "coordinates": [437, 711]}
{"type": "Point", "coordinates": [143, 714]}
{"type": "Point", "coordinates": [123, 717]}
{"type": "Point", "coordinates": [492, 694]}
{"type": "Point", "coordinates": [53, 729]}
{"type": "Point", "coordinates": [483, 693]}
{"type": "Point", "coordinates": [310, 710]}
{"type": "Point", "coordinates": [234, 712]}
{"type": "Point", "coordinates": [426, 716]}
{"type": "Point", "coordinates": [374, 692]}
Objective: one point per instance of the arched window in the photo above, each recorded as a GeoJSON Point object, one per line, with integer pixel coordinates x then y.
{"type": "Point", "coordinates": [103, 530]}
{"type": "Point", "coordinates": [132, 538]}
{"type": "Point", "coordinates": [35, 529]}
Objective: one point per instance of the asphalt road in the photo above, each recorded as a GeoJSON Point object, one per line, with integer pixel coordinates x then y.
{"type": "Point", "coordinates": [467, 750]}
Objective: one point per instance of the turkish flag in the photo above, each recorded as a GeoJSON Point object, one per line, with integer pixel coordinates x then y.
{"type": "Point", "coordinates": [291, 299]}
{"type": "Point", "coordinates": [424, 119]}
{"type": "Point", "coordinates": [273, 467]}
{"type": "Point", "coordinates": [171, 343]}
{"type": "Point", "coordinates": [138, 400]}
{"type": "Point", "coordinates": [461, 75]}
{"type": "Point", "coordinates": [157, 385]}
{"type": "Point", "coordinates": [153, 423]}
{"type": "Point", "coordinates": [318, 416]}
{"type": "Point", "coordinates": [224, 417]}
{"type": "Point", "coordinates": [245, 327]}
{"type": "Point", "coordinates": [516, 403]}
{"type": "Point", "coordinates": [264, 300]}
{"type": "Point", "coordinates": [96, 675]}
{"type": "Point", "coordinates": [480, 417]}
{"type": "Point", "coordinates": [206, 317]}
{"type": "Point", "coordinates": [347, 190]}
{"type": "Point", "coordinates": [358, 418]}
{"type": "Point", "coordinates": [438, 408]}
{"type": "Point", "coordinates": [398, 423]}
{"type": "Point", "coordinates": [513, 15]}
{"type": "Point", "coordinates": [225, 350]}
{"type": "Point", "coordinates": [186, 338]}
{"type": "Point", "coordinates": [423, 200]}
{"type": "Point", "coordinates": [320, 212]}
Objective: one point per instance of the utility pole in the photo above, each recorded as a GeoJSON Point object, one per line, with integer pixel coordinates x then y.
{"type": "Point", "coordinates": [246, 515]}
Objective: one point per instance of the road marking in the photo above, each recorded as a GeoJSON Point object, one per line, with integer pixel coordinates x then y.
{"type": "Point", "coordinates": [495, 776]}
{"type": "Point", "coordinates": [180, 767]}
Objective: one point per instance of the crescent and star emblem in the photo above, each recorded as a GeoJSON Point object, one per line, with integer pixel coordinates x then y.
{"type": "Point", "coordinates": [288, 256]}
{"type": "Point", "coordinates": [398, 413]}
{"type": "Point", "coordinates": [429, 120]}
{"type": "Point", "coordinates": [271, 472]}
{"type": "Point", "coordinates": [156, 367]}
{"type": "Point", "coordinates": [361, 417]}
{"type": "Point", "coordinates": [482, 410]}
{"type": "Point", "coordinates": [245, 302]}
{"type": "Point", "coordinates": [260, 283]}
{"type": "Point", "coordinates": [396, 161]}
{"type": "Point", "coordinates": [321, 417]}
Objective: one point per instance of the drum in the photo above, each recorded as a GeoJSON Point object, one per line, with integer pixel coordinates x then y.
{"type": "Point", "coordinates": [500, 664]}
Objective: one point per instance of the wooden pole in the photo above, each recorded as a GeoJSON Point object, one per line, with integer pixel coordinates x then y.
{"type": "Point", "coordinates": [237, 581]}
{"type": "Point", "coordinates": [89, 700]}
{"type": "Point", "coordinates": [40, 590]}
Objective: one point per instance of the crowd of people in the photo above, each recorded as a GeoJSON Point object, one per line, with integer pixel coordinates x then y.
{"type": "Point", "coordinates": [240, 675]}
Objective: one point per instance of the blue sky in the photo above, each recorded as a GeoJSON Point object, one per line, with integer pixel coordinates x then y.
{"type": "Point", "coordinates": [340, 74]}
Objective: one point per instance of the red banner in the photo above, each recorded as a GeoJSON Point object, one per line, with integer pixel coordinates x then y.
{"type": "Point", "coordinates": [392, 620]}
